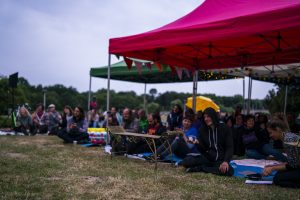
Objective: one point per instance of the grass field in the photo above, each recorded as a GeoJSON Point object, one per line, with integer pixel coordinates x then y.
{"type": "Point", "coordinates": [42, 167]}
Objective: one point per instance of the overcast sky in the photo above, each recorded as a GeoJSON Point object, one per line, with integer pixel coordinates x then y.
{"type": "Point", "coordinates": [57, 41]}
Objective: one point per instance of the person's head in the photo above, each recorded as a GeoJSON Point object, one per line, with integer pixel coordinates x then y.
{"type": "Point", "coordinates": [187, 122]}
{"type": "Point", "coordinates": [68, 110]}
{"type": "Point", "coordinates": [210, 117]}
{"type": "Point", "coordinates": [276, 128]}
{"type": "Point", "coordinates": [189, 113]}
{"type": "Point", "coordinates": [78, 113]}
{"type": "Point", "coordinates": [51, 108]}
{"type": "Point", "coordinates": [238, 110]}
{"type": "Point", "coordinates": [250, 121]}
{"type": "Point", "coordinates": [177, 109]}
{"type": "Point", "coordinates": [153, 119]}
{"type": "Point", "coordinates": [141, 114]}
{"type": "Point", "coordinates": [229, 121]}
{"type": "Point", "coordinates": [39, 107]}
{"type": "Point", "coordinates": [239, 120]}
{"type": "Point", "coordinates": [114, 110]}
{"type": "Point", "coordinates": [127, 114]}
{"type": "Point", "coordinates": [23, 111]}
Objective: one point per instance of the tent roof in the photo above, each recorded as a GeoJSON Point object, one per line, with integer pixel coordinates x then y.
{"type": "Point", "coordinates": [119, 71]}
{"type": "Point", "coordinates": [222, 34]}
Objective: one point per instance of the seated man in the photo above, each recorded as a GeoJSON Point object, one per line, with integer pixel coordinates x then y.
{"type": "Point", "coordinates": [76, 129]}
{"type": "Point", "coordinates": [39, 118]}
{"type": "Point", "coordinates": [154, 127]}
{"type": "Point", "coordinates": [53, 120]}
{"type": "Point", "coordinates": [215, 146]}
{"type": "Point", "coordinates": [130, 124]}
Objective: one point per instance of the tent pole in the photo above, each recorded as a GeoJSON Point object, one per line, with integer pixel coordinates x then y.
{"type": "Point", "coordinates": [244, 106]}
{"type": "Point", "coordinates": [108, 83]}
{"type": "Point", "coordinates": [285, 99]}
{"type": "Point", "coordinates": [145, 89]}
{"type": "Point", "coordinates": [195, 82]}
{"type": "Point", "coordinates": [249, 88]}
{"type": "Point", "coordinates": [89, 97]}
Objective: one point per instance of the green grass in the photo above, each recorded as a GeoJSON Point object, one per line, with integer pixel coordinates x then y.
{"type": "Point", "coordinates": [42, 167]}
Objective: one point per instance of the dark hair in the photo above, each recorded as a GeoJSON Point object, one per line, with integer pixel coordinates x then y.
{"type": "Point", "coordinates": [69, 108]}
{"type": "Point", "coordinates": [81, 116]}
{"type": "Point", "coordinates": [249, 117]}
{"type": "Point", "coordinates": [156, 116]}
{"type": "Point", "coordinates": [277, 123]}
{"type": "Point", "coordinates": [40, 104]}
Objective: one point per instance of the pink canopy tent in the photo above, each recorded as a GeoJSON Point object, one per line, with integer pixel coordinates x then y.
{"type": "Point", "coordinates": [221, 34]}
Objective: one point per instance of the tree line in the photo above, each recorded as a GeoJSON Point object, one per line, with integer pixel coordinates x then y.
{"type": "Point", "coordinates": [60, 96]}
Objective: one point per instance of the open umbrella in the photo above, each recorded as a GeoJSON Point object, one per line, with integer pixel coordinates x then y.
{"type": "Point", "coordinates": [202, 103]}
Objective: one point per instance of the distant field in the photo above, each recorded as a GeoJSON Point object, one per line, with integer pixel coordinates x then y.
{"type": "Point", "coordinates": [42, 167]}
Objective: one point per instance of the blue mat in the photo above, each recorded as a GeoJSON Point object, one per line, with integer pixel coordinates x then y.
{"type": "Point", "coordinates": [242, 171]}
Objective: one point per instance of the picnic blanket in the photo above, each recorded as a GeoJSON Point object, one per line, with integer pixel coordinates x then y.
{"type": "Point", "coordinates": [244, 167]}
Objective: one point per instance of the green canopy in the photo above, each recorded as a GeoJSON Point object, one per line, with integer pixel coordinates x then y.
{"type": "Point", "coordinates": [119, 71]}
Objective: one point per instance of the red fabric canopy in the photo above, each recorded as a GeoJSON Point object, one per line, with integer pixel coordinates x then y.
{"type": "Point", "coordinates": [222, 34]}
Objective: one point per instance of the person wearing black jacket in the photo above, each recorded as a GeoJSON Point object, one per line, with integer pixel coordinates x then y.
{"type": "Point", "coordinates": [215, 145]}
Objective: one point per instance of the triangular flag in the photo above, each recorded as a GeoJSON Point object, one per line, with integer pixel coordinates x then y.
{"type": "Point", "coordinates": [179, 72]}
{"type": "Point", "coordinates": [187, 73]}
{"type": "Point", "coordinates": [139, 66]}
{"type": "Point", "coordinates": [118, 56]}
{"type": "Point", "coordinates": [149, 66]}
{"type": "Point", "coordinates": [173, 69]}
{"type": "Point", "coordinates": [158, 65]}
{"type": "Point", "coordinates": [128, 62]}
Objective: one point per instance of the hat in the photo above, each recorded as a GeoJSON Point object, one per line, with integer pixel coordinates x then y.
{"type": "Point", "coordinates": [51, 106]}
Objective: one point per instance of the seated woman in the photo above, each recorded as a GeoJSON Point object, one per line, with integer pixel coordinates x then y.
{"type": "Point", "coordinates": [288, 174]}
{"type": "Point", "coordinates": [66, 116]}
{"type": "Point", "coordinates": [182, 144]}
{"type": "Point", "coordinates": [76, 129]}
{"type": "Point", "coordinates": [24, 122]}
{"type": "Point", "coordinates": [256, 142]}
{"type": "Point", "coordinates": [39, 119]}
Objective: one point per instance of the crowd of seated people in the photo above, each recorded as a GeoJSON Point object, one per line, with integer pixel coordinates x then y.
{"type": "Point", "coordinates": [203, 141]}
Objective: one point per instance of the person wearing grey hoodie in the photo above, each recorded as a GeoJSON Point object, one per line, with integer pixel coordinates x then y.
{"type": "Point", "coordinates": [215, 145]}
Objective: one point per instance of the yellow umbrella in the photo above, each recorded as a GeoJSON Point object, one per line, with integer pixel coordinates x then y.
{"type": "Point", "coordinates": [202, 103]}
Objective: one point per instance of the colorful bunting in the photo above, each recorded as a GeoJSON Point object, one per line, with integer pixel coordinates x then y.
{"type": "Point", "coordinates": [179, 72]}
{"type": "Point", "coordinates": [128, 62]}
{"type": "Point", "coordinates": [148, 65]}
{"type": "Point", "coordinates": [158, 65]}
{"type": "Point", "coordinates": [139, 66]}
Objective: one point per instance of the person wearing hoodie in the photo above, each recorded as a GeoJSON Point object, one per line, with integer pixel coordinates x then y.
{"type": "Point", "coordinates": [215, 146]}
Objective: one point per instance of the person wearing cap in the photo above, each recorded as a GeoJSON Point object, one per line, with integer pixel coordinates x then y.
{"type": "Point", "coordinates": [54, 119]}
{"type": "Point", "coordinates": [215, 145]}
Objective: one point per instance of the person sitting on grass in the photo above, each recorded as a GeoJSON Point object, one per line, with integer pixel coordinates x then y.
{"type": "Point", "coordinates": [76, 129]}
{"type": "Point", "coordinates": [24, 122]}
{"type": "Point", "coordinates": [154, 127]}
{"type": "Point", "coordinates": [288, 174]}
{"type": "Point", "coordinates": [182, 144]}
{"type": "Point", "coordinates": [66, 115]}
{"type": "Point", "coordinates": [215, 146]}
{"type": "Point", "coordinates": [53, 120]}
{"type": "Point", "coordinates": [39, 118]}
{"type": "Point", "coordinates": [256, 142]}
